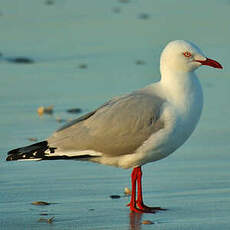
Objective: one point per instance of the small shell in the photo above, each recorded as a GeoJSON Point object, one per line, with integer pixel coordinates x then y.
{"type": "Point", "coordinates": [147, 222]}
{"type": "Point", "coordinates": [40, 110]}
{"type": "Point", "coordinates": [127, 191]}
{"type": "Point", "coordinates": [40, 203]}
{"type": "Point", "coordinates": [49, 220]}
{"type": "Point", "coordinates": [48, 110]}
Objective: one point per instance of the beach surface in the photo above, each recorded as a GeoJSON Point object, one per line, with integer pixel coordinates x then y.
{"type": "Point", "coordinates": [79, 54]}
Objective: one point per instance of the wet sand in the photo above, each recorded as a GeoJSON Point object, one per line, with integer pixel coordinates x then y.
{"type": "Point", "coordinates": [85, 52]}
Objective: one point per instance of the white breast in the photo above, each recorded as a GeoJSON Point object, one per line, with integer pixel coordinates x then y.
{"type": "Point", "coordinates": [180, 113]}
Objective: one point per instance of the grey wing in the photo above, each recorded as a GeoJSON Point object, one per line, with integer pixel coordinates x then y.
{"type": "Point", "coordinates": [118, 127]}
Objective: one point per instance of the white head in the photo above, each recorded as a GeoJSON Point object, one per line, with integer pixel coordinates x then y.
{"type": "Point", "coordinates": [184, 56]}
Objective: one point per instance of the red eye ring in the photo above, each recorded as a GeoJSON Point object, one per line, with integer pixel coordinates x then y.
{"type": "Point", "coordinates": [187, 54]}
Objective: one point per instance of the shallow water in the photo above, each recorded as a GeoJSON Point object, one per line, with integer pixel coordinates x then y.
{"type": "Point", "coordinates": [109, 36]}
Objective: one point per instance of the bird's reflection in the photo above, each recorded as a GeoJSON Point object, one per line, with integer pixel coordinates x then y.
{"type": "Point", "coordinates": [135, 221]}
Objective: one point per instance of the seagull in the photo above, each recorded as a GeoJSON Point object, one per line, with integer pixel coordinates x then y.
{"type": "Point", "coordinates": [131, 130]}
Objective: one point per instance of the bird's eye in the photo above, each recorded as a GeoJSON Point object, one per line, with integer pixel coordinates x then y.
{"type": "Point", "coordinates": [187, 54]}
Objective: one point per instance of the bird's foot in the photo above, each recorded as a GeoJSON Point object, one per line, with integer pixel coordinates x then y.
{"type": "Point", "coordinates": [144, 209]}
{"type": "Point", "coordinates": [135, 209]}
{"type": "Point", "coordinates": [148, 209]}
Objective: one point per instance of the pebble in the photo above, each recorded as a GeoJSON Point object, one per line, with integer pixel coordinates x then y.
{"type": "Point", "coordinates": [144, 16]}
{"type": "Point", "coordinates": [115, 197]}
{"type": "Point", "coordinates": [83, 66]}
{"type": "Point", "coordinates": [49, 2]}
{"type": "Point", "coordinates": [140, 62]}
{"type": "Point", "coordinates": [21, 60]}
{"type": "Point", "coordinates": [74, 110]}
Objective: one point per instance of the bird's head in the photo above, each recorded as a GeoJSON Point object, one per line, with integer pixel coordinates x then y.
{"type": "Point", "coordinates": [184, 56]}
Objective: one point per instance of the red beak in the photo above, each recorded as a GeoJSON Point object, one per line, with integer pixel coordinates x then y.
{"type": "Point", "coordinates": [211, 62]}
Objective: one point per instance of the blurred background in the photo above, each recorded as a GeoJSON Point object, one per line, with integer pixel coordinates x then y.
{"type": "Point", "coordinates": [80, 53]}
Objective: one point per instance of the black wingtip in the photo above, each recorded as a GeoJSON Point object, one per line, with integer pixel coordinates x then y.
{"type": "Point", "coordinates": [27, 151]}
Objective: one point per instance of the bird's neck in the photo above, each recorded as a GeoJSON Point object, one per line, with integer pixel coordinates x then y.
{"type": "Point", "coordinates": [182, 88]}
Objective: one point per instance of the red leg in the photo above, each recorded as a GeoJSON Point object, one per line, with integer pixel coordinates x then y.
{"type": "Point", "coordinates": [132, 204]}
{"type": "Point", "coordinates": [136, 177]}
{"type": "Point", "coordinates": [139, 201]}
